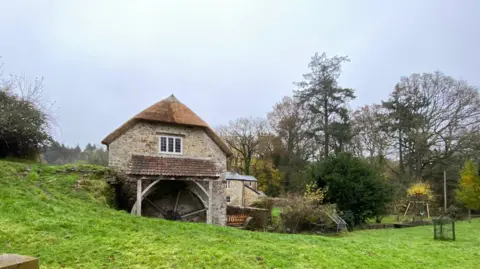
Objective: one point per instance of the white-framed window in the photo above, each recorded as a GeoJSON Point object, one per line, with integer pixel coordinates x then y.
{"type": "Point", "coordinates": [170, 144]}
{"type": "Point", "coordinates": [227, 185]}
{"type": "Point", "coordinates": [228, 199]}
{"type": "Point", "coordinates": [249, 183]}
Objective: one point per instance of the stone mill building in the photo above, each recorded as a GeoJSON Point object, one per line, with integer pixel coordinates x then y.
{"type": "Point", "coordinates": [171, 164]}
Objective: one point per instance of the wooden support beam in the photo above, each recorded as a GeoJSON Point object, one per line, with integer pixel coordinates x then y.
{"type": "Point", "coordinates": [154, 206]}
{"type": "Point", "coordinates": [202, 188]}
{"type": "Point", "coordinates": [147, 189]}
{"type": "Point", "coordinates": [139, 197]}
{"type": "Point", "coordinates": [193, 213]}
{"type": "Point", "coordinates": [176, 203]}
{"type": "Point", "coordinates": [407, 209]}
{"type": "Point", "coordinates": [145, 192]}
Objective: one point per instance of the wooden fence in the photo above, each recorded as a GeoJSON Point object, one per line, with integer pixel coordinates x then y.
{"type": "Point", "coordinates": [236, 219]}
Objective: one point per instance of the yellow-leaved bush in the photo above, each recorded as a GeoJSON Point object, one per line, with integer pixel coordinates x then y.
{"type": "Point", "coordinates": [420, 190]}
{"type": "Point", "coordinates": [313, 193]}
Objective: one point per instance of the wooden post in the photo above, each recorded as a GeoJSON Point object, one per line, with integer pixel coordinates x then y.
{"type": "Point", "coordinates": [428, 211]}
{"type": "Point", "coordinates": [453, 230]}
{"type": "Point", "coordinates": [139, 197]}
{"type": "Point", "coordinates": [441, 230]}
{"type": "Point", "coordinates": [445, 189]}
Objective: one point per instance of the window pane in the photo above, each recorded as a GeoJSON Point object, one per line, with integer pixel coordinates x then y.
{"type": "Point", "coordinates": [163, 144]}
{"type": "Point", "coordinates": [170, 144]}
{"type": "Point", "coordinates": [178, 145]}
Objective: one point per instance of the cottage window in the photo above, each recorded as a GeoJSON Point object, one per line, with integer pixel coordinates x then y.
{"type": "Point", "coordinates": [228, 199]}
{"type": "Point", "coordinates": [171, 144]}
{"type": "Point", "coordinates": [249, 183]}
{"type": "Point", "coordinates": [228, 184]}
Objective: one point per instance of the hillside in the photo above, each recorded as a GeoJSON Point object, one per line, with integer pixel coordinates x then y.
{"type": "Point", "coordinates": [45, 211]}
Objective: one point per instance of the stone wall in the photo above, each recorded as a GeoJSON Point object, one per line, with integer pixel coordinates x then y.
{"type": "Point", "coordinates": [249, 196]}
{"type": "Point", "coordinates": [143, 139]}
{"type": "Point", "coordinates": [219, 207]}
{"type": "Point", "coordinates": [235, 192]}
{"type": "Point", "coordinates": [240, 195]}
{"type": "Point", "coordinates": [253, 184]}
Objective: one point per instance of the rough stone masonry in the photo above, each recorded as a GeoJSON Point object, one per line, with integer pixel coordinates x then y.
{"type": "Point", "coordinates": [200, 166]}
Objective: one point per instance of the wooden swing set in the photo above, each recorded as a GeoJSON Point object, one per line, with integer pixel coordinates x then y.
{"type": "Point", "coordinates": [415, 202]}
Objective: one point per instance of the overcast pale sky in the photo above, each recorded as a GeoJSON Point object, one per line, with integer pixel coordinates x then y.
{"type": "Point", "coordinates": [105, 61]}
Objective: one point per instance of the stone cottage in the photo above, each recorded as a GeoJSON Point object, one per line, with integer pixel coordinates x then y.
{"type": "Point", "coordinates": [171, 163]}
{"type": "Point", "coordinates": [241, 190]}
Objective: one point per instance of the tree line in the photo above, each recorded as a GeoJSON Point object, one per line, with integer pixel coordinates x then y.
{"type": "Point", "coordinates": [56, 153]}
{"type": "Point", "coordinates": [430, 124]}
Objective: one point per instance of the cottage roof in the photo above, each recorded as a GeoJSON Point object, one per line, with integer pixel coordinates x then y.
{"type": "Point", "coordinates": [237, 176]}
{"type": "Point", "coordinates": [171, 166]}
{"type": "Point", "coordinates": [172, 111]}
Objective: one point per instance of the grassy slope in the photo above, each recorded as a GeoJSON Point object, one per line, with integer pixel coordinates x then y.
{"type": "Point", "coordinates": [44, 217]}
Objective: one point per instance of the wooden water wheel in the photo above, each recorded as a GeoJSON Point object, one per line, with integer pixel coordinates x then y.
{"type": "Point", "coordinates": [174, 202]}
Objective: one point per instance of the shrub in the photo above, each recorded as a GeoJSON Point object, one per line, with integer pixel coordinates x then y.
{"type": "Point", "coordinates": [314, 193]}
{"type": "Point", "coordinates": [300, 213]}
{"type": "Point", "coordinates": [305, 212]}
{"type": "Point", "coordinates": [265, 203]}
{"type": "Point", "coordinates": [355, 187]}
{"type": "Point", "coordinates": [420, 191]}
{"type": "Point", "coordinates": [23, 126]}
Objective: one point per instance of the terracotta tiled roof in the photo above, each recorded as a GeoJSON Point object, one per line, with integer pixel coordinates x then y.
{"type": "Point", "coordinates": [172, 111]}
{"type": "Point", "coordinates": [171, 166]}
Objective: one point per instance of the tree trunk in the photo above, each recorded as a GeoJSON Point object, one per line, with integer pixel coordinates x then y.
{"type": "Point", "coordinates": [246, 165]}
{"type": "Point", "coordinates": [327, 134]}
{"type": "Point", "coordinates": [400, 151]}
{"type": "Point", "coordinates": [469, 215]}
{"type": "Point", "coordinates": [418, 155]}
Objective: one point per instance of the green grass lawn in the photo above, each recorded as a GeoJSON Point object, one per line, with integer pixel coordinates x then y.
{"type": "Point", "coordinates": [69, 227]}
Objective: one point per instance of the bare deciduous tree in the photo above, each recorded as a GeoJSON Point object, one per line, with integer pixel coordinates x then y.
{"type": "Point", "coordinates": [371, 141]}
{"type": "Point", "coordinates": [289, 120]}
{"type": "Point", "coordinates": [244, 136]}
{"type": "Point", "coordinates": [434, 115]}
